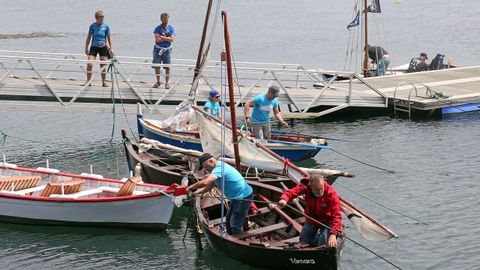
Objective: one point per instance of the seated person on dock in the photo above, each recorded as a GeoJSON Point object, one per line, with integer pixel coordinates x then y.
{"type": "Point", "coordinates": [212, 106]}
{"type": "Point", "coordinates": [418, 64]}
{"type": "Point", "coordinates": [236, 188]}
{"type": "Point", "coordinates": [323, 205]}
{"type": "Point", "coordinates": [262, 105]}
{"type": "Point", "coordinates": [379, 57]}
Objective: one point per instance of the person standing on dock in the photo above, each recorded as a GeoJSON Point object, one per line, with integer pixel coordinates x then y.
{"type": "Point", "coordinates": [379, 57]}
{"type": "Point", "coordinates": [164, 35]}
{"type": "Point", "coordinates": [212, 106]}
{"type": "Point", "coordinates": [237, 190]}
{"type": "Point", "coordinates": [99, 35]}
{"type": "Point", "coordinates": [418, 64]}
{"type": "Point", "coordinates": [322, 205]}
{"type": "Point", "coordinates": [262, 105]}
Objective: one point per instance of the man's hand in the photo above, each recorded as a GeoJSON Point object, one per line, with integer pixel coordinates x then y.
{"type": "Point", "coordinates": [282, 202]}
{"type": "Point", "coordinates": [86, 51]}
{"type": "Point", "coordinates": [284, 124]}
{"type": "Point", "coordinates": [332, 240]}
{"type": "Point", "coordinates": [247, 121]}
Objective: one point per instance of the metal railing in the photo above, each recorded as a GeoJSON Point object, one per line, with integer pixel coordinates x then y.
{"type": "Point", "coordinates": [136, 73]}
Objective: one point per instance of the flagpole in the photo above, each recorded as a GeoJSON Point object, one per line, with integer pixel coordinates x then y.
{"type": "Point", "coordinates": [365, 58]}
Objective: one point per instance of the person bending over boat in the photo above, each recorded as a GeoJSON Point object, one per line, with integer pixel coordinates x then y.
{"type": "Point", "coordinates": [323, 205]}
{"type": "Point", "coordinates": [99, 35]}
{"type": "Point", "coordinates": [237, 190]}
{"type": "Point", "coordinates": [379, 57]}
{"type": "Point", "coordinates": [262, 105]}
{"type": "Point", "coordinates": [164, 35]}
{"type": "Point", "coordinates": [212, 106]}
{"type": "Point", "coordinates": [418, 64]}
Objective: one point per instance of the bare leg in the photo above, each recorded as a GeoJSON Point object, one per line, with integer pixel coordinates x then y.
{"type": "Point", "coordinates": [90, 68]}
{"type": "Point", "coordinates": [157, 75]}
{"type": "Point", "coordinates": [167, 78]}
{"type": "Point", "coordinates": [104, 73]}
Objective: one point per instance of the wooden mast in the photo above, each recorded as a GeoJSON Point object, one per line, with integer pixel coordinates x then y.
{"type": "Point", "coordinates": [200, 60]}
{"type": "Point", "coordinates": [230, 90]}
{"type": "Point", "coordinates": [365, 58]}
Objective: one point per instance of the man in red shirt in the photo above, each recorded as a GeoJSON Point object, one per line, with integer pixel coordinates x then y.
{"type": "Point", "coordinates": [323, 205]}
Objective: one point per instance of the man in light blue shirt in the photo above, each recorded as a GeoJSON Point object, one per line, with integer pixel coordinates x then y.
{"type": "Point", "coordinates": [236, 189]}
{"type": "Point", "coordinates": [212, 106]}
{"type": "Point", "coordinates": [164, 35]}
{"type": "Point", "coordinates": [262, 105]}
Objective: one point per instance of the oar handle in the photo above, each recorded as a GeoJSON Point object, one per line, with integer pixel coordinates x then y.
{"type": "Point", "coordinates": [295, 224]}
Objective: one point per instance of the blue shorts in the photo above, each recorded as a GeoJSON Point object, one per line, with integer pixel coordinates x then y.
{"type": "Point", "coordinates": [165, 58]}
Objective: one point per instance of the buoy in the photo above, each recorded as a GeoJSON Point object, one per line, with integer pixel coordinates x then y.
{"type": "Point", "coordinates": [398, 2]}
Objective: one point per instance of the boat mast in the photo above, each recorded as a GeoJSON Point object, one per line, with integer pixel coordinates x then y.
{"type": "Point", "coordinates": [200, 60]}
{"type": "Point", "coordinates": [230, 90]}
{"type": "Point", "coordinates": [365, 58]}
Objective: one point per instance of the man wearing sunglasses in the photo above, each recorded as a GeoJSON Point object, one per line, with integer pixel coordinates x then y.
{"type": "Point", "coordinates": [212, 106]}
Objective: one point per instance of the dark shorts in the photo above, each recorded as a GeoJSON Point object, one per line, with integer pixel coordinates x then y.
{"type": "Point", "coordinates": [103, 51]}
{"type": "Point", "coordinates": [165, 58]}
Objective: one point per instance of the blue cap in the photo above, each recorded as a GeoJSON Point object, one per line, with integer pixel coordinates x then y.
{"type": "Point", "coordinates": [213, 93]}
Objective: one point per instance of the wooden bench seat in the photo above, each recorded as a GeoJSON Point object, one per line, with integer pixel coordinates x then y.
{"type": "Point", "coordinates": [261, 211]}
{"type": "Point", "coordinates": [263, 230]}
{"type": "Point", "coordinates": [24, 191]}
{"type": "Point", "coordinates": [65, 187]}
{"type": "Point", "coordinates": [14, 183]}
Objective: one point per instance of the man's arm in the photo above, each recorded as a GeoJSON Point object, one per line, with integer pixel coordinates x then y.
{"type": "Point", "coordinates": [87, 43]}
{"type": "Point", "coordinates": [246, 110]}
{"type": "Point", "coordinates": [292, 193]}
{"type": "Point", "coordinates": [278, 115]}
{"type": "Point", "coordinates": [203, 186]}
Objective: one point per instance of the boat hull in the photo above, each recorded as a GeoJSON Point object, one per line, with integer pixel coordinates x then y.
{"type": "Point", "coordinates": [187, 141]}
{"type": "Point", "coordinates": [152, 212]}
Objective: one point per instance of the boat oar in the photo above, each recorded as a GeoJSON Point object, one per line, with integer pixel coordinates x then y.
{"type": "Point", "coordinates": [303, 144]}
{"type": "Point", "coordinates": [295, 224]}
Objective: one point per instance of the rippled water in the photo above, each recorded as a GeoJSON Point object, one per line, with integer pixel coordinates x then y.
{"type": "Point", "coordinates": [436, 162]}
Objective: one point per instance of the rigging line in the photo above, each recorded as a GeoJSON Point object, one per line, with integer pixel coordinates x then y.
{"type": "Point", "coordinates": [112, 96]}
{"type": "Point", "coordinates": [123, 106]}
{"type": "Point", "coordinates": [380, 204]}
{"type": "Point", "coordinates": [318, 222]}
{"type": "Point", "coordinates": [362, 162]}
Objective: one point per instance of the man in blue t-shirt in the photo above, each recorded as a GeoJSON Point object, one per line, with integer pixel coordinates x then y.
{"type": "Point", "coordinates": [212, 106]}
{"type": "Point", "coordinates": [262, 105]}
{"type": "Point", "coordinates": [162, 51]}
{"type": "Point", "coordinates": [236, 190]}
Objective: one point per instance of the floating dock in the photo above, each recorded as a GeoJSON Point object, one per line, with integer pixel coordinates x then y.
{"type": "Point", "coordinates": [56, 82]}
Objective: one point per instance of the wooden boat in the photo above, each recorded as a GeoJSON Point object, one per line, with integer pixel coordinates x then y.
{"type": "Point", "coordinates": [49, 197]}
{"type": "Point", "coordinates": [273, 243]}
{"type": "Point", "coordinates": [154, 166]}
{"type": "Point", "coordinates": [293, 146]}
{"type": "Point", "coordinates": [167, 164]}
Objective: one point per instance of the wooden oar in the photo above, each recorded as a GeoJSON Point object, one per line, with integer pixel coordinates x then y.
{"type": "Point", "coordinates": [295, 224]}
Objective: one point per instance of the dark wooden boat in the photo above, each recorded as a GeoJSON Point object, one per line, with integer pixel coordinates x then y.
{"type": "Point", "coordinates": [154, 166]}
{"type": "Point", "coordinates": [273, 242]}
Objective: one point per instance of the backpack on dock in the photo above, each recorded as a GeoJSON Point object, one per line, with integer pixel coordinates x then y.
{"type": "Point", "coordinates": [437, 62]}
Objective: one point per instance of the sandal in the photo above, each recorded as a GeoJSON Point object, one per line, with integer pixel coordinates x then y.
{"type": "Point", "coordinates": [156, 85]}
{"type": "Point", "coordinates": [167, 86]}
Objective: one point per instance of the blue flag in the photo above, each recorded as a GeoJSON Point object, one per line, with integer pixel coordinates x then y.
{"type": "Point", "coordinates": [355, 21]}
{"type": "Point", "coordinates": [374, 7]}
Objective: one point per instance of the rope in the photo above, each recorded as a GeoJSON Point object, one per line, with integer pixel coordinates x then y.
{"type": "Point", "coordinates": [316, 221]}
{"type": "Point", "coordinates": [364, 163]}
{"type": "Point", "coordinates": [380, 204]}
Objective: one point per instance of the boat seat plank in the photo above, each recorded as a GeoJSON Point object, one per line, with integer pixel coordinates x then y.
{"type": "Point", "coordinates": [115, 190]}
{"type": "Point", "coordinates": [19, 182]}
{"type": "Point", "coordinates": [261, 211]}
{"type": "Point", "coordinates": [77, 195]}
{"type": "Point", "coordinates": [129, 187]}
{"type": "Point", "coordinates": [67, 186]}
{"type": "Point", "coordinates": [263, 230]}
{"type": "Point", "coordinates": [24, 191]}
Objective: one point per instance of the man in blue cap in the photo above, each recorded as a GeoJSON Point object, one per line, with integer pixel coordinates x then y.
{"type": "Point", "coordinates": [237, 190]}
{"type": "Point", "coordinates": [212, 106]}
{"type": "Point", "coordinates": [262, 105]}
